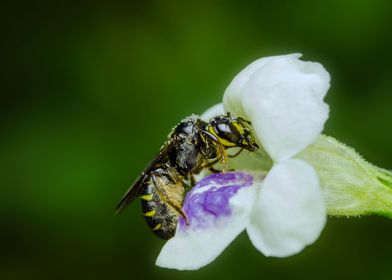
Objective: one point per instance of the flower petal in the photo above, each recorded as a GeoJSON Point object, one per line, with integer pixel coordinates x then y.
{"type": "Point", "coordinates": [289, 212]}
{"type": "Point", "coordinates": [232, 98]}
{"type": "Point", "coordinates": [215, 110]}
{"type": "Point", "coordinates": [218, 209]}
{"type": "Point", "coordinates": [283, 97]}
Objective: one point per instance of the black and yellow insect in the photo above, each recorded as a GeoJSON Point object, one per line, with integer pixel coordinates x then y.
{"type": "Point", "coordinates": [192, 146]}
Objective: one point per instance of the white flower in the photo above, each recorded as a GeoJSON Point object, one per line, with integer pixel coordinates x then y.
{"type": "Point", "coordinates": [283, 211]}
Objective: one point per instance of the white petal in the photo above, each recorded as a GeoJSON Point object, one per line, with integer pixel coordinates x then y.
{"type": "Point", "coordinates": [215, 110]}
{"type": "Point", "coordinates": [207, 236]}
{"type": "Point", "coordinates": [283, 97]}
{"type": "Point", "coordinates": [232, 98]}
{"type": "Point", "coordinates": [289, 212]}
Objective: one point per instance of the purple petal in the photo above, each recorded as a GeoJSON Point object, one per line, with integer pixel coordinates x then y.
{"type": "Point", "coordinates": [209, 199]}
{"type": "Point", "coordinates": [219, 209]}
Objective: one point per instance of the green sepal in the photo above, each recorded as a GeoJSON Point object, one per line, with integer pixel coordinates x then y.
{"type": "Point", "coordinates": [351, 185]}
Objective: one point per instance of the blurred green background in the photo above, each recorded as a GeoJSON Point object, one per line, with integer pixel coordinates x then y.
{"type": "Point", "coordinates": [89, 92]}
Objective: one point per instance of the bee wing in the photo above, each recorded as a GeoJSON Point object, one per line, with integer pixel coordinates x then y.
{"type": "Point", "coordinates": [134, 190]}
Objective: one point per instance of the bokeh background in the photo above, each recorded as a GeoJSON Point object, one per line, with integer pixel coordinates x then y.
{"type": "Point", "coordinates": [90, 90]}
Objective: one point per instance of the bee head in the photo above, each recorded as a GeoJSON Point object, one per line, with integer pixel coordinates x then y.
{"type": "Point", "coordinates": [233, 132]}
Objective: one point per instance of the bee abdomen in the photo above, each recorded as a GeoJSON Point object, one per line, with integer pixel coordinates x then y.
{"type": "Point", "coordinates": [159, 215]}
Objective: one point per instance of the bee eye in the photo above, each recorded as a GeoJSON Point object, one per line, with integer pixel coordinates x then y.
{"type": "Point", "coordinates": [228, 132]}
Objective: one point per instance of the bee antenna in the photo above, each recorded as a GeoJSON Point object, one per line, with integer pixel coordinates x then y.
{"type": "Point", "coordinates": [248, 122]}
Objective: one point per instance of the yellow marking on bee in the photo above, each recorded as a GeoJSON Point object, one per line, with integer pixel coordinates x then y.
{"type": "Point", "coordinates": [239, 127]}
{"type": "Point", "coordinates": [151, 213]}
{"type": "Point", "coordinates": [244, 142]}
{"type": "Point", "coordinates": [147, 197]}
{"type": "Point", "coordinates": [222, 141]}
{"type": "Point", "coordinates": [157, 227]}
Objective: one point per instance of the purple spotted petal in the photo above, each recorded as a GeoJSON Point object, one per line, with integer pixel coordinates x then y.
{"type": "Point", "coordinates": [218, 208]}
{"type": "Point", "coordinates": [209, 199]}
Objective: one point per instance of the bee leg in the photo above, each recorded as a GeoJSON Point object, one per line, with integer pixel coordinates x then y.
{"type": "Point", "coordinates": [179, 210]}
{"type": "Point", "coordinates": [210, 167]}
{"type": "Point", "coordinates": [193, 180]}
{"type": "Point", "coordinates": [213, 170]}
{"type": "Point", "coordinates": [183, 214]}
{"type": "Point", "coordinates": [223, 157]}
{"type": "Point", "coordinates": [167, 199]}
{"type": "Point", "coordinates": [189, 183]}
{"type": "Point", "coordinates": [209, 164]}
{"type": "Point", "coordinates": [236, 154]}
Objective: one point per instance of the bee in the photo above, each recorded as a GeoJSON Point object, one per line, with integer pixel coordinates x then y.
{"type": "Point", "coordinates": [192, 146]}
